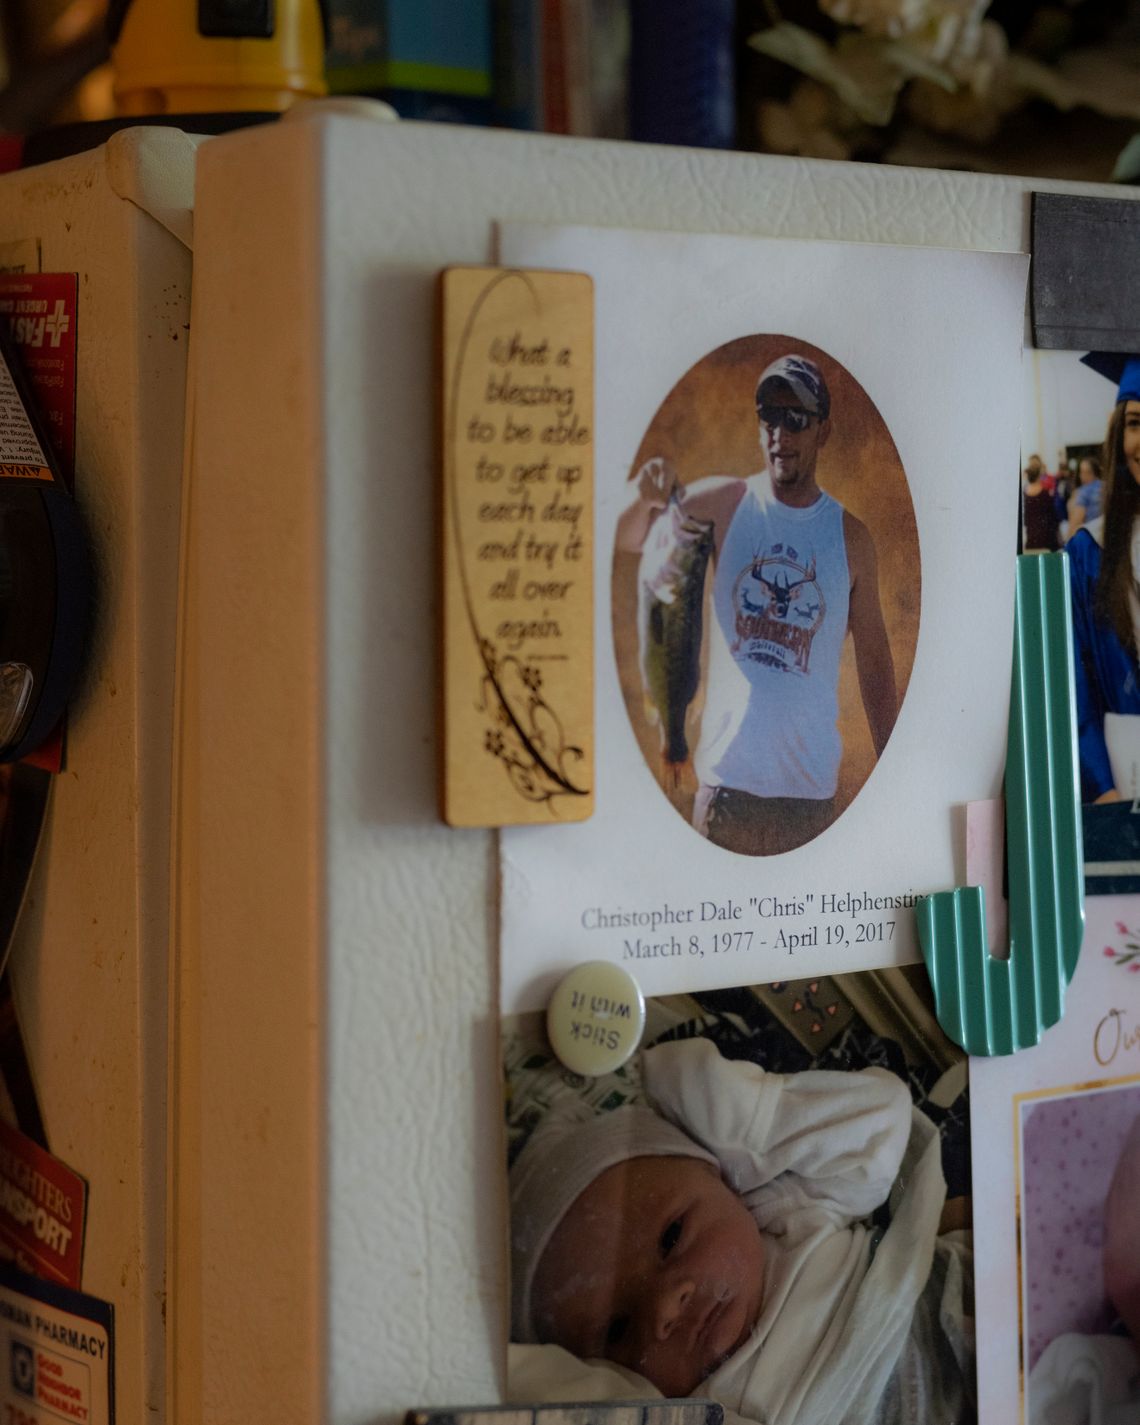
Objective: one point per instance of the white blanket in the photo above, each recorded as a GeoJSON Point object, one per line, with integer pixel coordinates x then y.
{"type": "Point", "coordinates": [1086, 1380]}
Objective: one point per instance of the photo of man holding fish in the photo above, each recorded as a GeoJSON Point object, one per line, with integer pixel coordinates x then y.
{"type": "Point", "coordinates": [747, 585]}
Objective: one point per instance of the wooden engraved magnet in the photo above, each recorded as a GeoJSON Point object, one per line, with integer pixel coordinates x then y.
{"type": "Point", "coordinates": [518, 536]}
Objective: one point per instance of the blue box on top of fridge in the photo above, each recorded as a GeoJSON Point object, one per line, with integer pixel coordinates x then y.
{"type": "Point", "coordinates": [430, 59]}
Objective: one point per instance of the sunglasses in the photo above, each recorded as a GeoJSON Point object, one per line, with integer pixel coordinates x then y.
{"type": "Point", "coordinates": [792, 418]}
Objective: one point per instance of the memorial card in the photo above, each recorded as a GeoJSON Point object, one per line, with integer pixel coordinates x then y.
{"type": "Point", "coordinates": [806, 521]}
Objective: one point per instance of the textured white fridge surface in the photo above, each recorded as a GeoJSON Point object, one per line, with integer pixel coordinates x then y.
{"type": "Point", "coordinates": [89, 963]}
{"type": "Point", "coordinates": [344, 226]}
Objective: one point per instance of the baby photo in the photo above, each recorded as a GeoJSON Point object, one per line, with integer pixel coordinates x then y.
{"type": "Point", "coordinates": [1080, 1230]}
{"type": "Point", "coordinates": [768, 1206]}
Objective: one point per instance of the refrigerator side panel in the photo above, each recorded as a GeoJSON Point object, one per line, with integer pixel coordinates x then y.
{"type": "Point", "coordinates": [247, 1076]}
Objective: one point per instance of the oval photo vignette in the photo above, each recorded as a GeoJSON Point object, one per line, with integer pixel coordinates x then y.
{"type": "Point", "coordinates": [739, 672]}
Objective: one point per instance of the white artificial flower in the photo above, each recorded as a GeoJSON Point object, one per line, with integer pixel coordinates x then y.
{"type": "Point", "coordinates": [894, 19]}
{"type": "Point", "coordinates": [987, 92]}
{"type": "Point", "coordinates": [973, 51]}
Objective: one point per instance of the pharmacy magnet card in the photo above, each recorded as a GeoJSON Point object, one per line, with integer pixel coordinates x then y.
{"type": "Point", "coordinates": [806, 496]}
{"type": "Point", "coordinates": [58, 1350]}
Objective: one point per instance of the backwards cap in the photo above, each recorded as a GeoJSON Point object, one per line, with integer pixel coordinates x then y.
{"type": "Point", "coordinates": [805, 380]}
{"type": "Point", "coordinates": [1120, 368]}
{"type": "Point", "coordinates": [558, 1164]}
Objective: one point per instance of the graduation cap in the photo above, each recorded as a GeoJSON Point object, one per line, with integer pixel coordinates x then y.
{"type": "Point", "coordinates": [1120, 368]}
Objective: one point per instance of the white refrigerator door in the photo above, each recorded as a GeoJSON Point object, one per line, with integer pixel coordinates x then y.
{"type": "Point", "coordinates": [338, 1148]}
{"type": "Point", "coordinates": [89, 962]}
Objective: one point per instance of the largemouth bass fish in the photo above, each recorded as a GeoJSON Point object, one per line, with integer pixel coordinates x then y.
{"type": "Point", "coordinates": [671, 584]}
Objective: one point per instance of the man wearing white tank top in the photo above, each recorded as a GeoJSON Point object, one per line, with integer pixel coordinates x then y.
{"type": "Point", "coordinates": [794, 573]}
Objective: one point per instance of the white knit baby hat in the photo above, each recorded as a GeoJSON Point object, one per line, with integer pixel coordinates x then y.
{"type": "Point", "coordinates": [560, 1161]}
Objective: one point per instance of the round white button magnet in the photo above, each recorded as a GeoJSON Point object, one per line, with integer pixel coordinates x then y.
{"type": "Point", "coordinates": [595, 1018]}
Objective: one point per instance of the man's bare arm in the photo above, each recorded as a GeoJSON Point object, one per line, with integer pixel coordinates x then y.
{"type": "Point", "coordinates": [654, 483]}
{"type": "Point", "coordinates": [873, 661]}
{"type": "Point", "coordinates": [714, 499]}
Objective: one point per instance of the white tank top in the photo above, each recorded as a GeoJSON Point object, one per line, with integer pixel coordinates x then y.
{"type": "Point", "coordinates": [780, 600]}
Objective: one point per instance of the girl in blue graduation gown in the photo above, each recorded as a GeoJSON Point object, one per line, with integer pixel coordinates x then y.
{"type": "Point", "coordinates": [1104, 558]}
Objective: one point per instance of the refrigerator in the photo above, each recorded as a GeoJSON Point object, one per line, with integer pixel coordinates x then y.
{"type": "Point", "coordinates": [89, 955]}
{"type": "Point", "coordinates": [338, 1220]}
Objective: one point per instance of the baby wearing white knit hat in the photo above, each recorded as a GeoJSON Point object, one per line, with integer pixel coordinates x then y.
{"type": "Point", "coordinates": [627, 1244]}
{"type": "Point", "coordinates": [720, 1240]}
